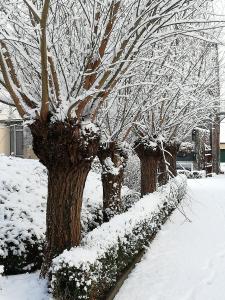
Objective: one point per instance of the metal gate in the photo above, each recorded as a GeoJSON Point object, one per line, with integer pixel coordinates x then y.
{"type": "Point", "coordinates": [16, 140]}
{"type": "Point", "coordinates": [222, 155]}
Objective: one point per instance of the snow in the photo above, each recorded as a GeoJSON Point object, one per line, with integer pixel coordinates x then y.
{"type": "Point", "coordinates": [187, 259]}
{"type": "Point", "coordinates": [23, 196]}
{"type": "Point", "coordinates": [23, 190]}
{"type": "Point", "coordinates": [110, 168]}
{"type": "Point", "coordinates": [23, 287]}
{"type": "Point", "coordinates": [97, 242]}
{"type": "Point", "coordinates": [8, 112]}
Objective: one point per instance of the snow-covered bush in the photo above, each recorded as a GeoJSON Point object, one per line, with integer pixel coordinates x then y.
{"type": "Point", "coordinates": [96, 166]}
{"type": "Point", "coordinates": [22, 213]}
{"type": "Point", "coordinates": [1, 272]}
{"type": "Point", "coordinates": [132, 173]}
{"type": "Point", "coordinates": [129, 198]}
{"type": "Point", "coordinates": [90, 270]}
{"type": "Point", "coordinates": [192, 174]}
{"type": "Point", "coordinates": [23, 191]}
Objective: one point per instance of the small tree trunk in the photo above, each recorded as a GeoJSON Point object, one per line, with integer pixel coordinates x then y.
{"type": "Point", "coordinates": [67, 152]}
{"type": "Point", "coordinates": [171, 157]}
{"type": "Point", "coordinates": [149, 163]}
{"type": "Point", "coordinates": [113, 161]}
{"type": "Point", "coordinates": [163, 176]}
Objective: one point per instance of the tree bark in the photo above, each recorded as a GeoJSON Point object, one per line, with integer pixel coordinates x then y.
{"type": "Point", "coordinates": [67, 151]}
{"type": "Point", "coordinates": [113, 161]}
{"type": "Point", "coordinates": [171, 158]}
{"type": "Point", "coordinates": [215, 145]}
{"type": "Point", "coordinates": [149, 158]}
{"type": "Point", "coordinates": [163, 176]}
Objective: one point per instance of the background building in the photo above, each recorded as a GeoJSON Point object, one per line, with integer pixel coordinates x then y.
{"type": "Point", "coordinates": [15, 138]}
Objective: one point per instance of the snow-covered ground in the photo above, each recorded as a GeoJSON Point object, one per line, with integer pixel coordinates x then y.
{"type": "Point", "coordinates": [186, 261]}
{"type": "Point", "coordinates": [23, 287]}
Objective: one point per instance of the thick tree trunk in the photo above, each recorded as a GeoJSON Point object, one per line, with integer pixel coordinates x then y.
{"type": "Point", "coordinates": [67, 151]}
{"type": "Point", "coordinates": [65, 193]}
{"type": "Point", "coordinates": [113, 161]}
{"type": "Point", "coordinates": [149, 158]}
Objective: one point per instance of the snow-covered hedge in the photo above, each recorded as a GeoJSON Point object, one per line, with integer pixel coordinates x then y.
{"type": "Point", "coordinates": [22, 213]}
{"type": "Point", "coordinates": [23, 197]}
{"type": "Point", "coordinates": [90, 270]}
{"type": "Point", "coordinates": [23, 190]}
{"type": "Point", "coordinates": [132, 173]}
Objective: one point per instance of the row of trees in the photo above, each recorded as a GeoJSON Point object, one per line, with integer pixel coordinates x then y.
{"type": "Point", "coordinates": [91, 77]}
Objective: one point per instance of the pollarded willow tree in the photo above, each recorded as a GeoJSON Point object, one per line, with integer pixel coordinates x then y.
{"type": "Point", "coordinates": [59, 61]}
{"type": "Point", "coordinates": [117, 116]}
{"type": "Point", "coordinates": [165, 65]}
{"type": "Point", "coordinates": [185, 98]}
{"type": "Point", "coordinates": [171, 93]}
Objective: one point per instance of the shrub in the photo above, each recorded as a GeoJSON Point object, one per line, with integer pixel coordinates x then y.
{"type": "Point", "coordinates": [23, 211]}
{"type": "Point", "coordinates": [192, 174]}
{"type": "Point", "coordinates": [22, 220]}
{"type": "Point", "coordinates": [132, 173]}
{"type": "Point", "coordinates": [90, 270]}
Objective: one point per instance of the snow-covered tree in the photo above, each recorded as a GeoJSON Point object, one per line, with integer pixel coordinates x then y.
{"type": "Point", "coordinates": [184, 99]}
{"type": "Point", "coordinates": [59, 61]}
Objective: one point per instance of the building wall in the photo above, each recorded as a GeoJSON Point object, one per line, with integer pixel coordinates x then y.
{"type": "Point", "coordinates": [222, 146]}
{"type": "Point", "coordinates": [4, 140]}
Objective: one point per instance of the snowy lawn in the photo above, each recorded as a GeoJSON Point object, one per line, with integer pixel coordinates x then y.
{"type": "Point", "coordinates": [23, 287]}
{"type": "Point", "coordinates": [187, 259]}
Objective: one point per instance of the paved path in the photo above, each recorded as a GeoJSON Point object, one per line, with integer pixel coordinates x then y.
{"type": "Point", "coordinates": [186, 261]}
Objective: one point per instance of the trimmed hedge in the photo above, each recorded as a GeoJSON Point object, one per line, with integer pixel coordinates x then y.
{"type": "Point", "coordinates": [23, 191]}
{"type": "Point", "coordinates": [90, 270]}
